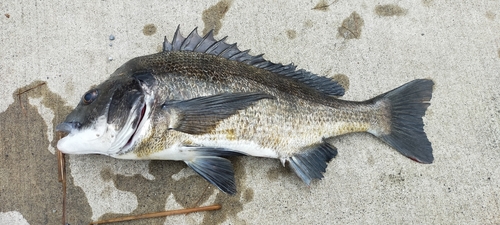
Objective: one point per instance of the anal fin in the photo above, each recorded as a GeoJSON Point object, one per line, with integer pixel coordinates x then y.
{"type": "Point", "coordinates": [216, 170]}
{"type": "Point", "coordinates": [312, 163]}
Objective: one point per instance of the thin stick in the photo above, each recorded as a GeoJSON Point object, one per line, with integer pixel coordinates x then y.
{"type": "Point", "coordinates": [60, 166]}
{"type": "Point", "coordinates": [61, 170]}
{"type": "Point", "coordinates": [64, 199]}
{"type": "Point", "coordinates": [19, 93]}
{"type": "Point", "coordinates": [159, 214]}
{"type": "Point", "coordinates": [29, 89]}
{"type": "Point", "coordinates": [21, 104]}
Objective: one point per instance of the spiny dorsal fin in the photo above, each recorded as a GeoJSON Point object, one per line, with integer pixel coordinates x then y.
{"type": "Point", "coordinates": [207, 44]}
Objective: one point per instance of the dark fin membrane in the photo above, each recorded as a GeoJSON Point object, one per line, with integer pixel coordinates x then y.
{"type": "Point", "coordinates": [312, 163]}
{"type": "Point", "coordinates": [211, 151]}
{"type": "Point", "coordinates": [207, 44]}
{"type": "Point", "coordinates": [216, 170]}
{"type": "Point", "coordinates": [408, 104]}
{"type": "Point", "coordinates": [201, 115]}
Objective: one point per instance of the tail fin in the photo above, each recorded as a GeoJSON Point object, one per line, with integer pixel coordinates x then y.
{"type": "Point", "coordinates": [408, 104]}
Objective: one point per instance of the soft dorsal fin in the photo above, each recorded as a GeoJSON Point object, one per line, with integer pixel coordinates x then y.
{"type": "Point", "coordinates": [207, 44]}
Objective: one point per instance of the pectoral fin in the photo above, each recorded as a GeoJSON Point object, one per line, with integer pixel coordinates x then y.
{"type": "Point", "coordinates": [216, 170]}
{"type": "Point", "coordinates": [201, 115]}
{"type": "Point", "coordinates": [312, 163]}
{"type": "Point", "coordinates": [210, 151]}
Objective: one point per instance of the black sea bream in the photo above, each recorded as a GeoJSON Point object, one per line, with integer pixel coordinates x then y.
{"type": "Point", "coordinates": [201, 100]}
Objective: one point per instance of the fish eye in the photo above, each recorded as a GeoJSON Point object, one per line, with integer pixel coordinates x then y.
{"type": "Point", "coordinates": [90, 96]}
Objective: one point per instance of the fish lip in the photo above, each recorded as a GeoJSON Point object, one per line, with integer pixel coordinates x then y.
{"type": "Point", "coordinates": [68, 127]}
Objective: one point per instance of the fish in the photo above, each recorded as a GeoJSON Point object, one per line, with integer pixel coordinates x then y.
{"type": "Point", "coordinates": [202, 100]}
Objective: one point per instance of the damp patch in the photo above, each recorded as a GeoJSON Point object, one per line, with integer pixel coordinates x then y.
{"type": "Point", "coordinates": [212, 17]}
{"type": "Point", "coordinates": [343, 80]}
{"type": "Point", "coordinates": [291, 34]}
{"type": "Point", "coordinates": [322, 5]}
{"type": "Point", "coordinates": [351, 27]}
{"type": "Point", "coordinates": [28, 170]}
{"type": "Point", "coordinates": [149, 29]}
{"type": "Point", "coordinates": [390, 10]}
{"type": "Point", "coordinates": [427, 2]}
{"type": "Point", "coordinates": [490, 15]}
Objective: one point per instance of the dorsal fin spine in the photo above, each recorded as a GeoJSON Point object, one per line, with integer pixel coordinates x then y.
{"type": "Point", "coordinates": [239, 54]}
{"type": "Point", "coordinates": [215, 45]}
{"type": "Point", "coordinates": [207, 44]}
{"type": "Point", "coordinates": [176, 38]}
{"type": "Point", "coordinates": [188, 39]}
{"type": "Point", "coordinates": [166, 45]}
{"type": "Point", "coordinates": [202, 40]}
{"type": "Point", "coordinates": [227, 49]}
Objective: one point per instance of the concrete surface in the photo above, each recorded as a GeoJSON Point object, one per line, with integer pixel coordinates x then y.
{"type": "Point", "coordinates": [378, 46]}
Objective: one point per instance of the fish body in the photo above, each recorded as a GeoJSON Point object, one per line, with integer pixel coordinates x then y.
{"type": "Point", "coordinates": [201, 100]}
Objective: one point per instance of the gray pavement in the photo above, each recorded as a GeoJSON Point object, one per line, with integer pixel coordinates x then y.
{"type": "Point", "coordinates": [377, 46]}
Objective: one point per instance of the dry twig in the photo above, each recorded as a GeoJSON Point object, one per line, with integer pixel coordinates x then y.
{"type": "Point", "coordinates": [22, 92]}
{"type": "Point", "coordinates": [159, 214]}
{"type": "Point", "coordinates": [29, 89]}
{"type": "Point", "coordinates": [61, 170]}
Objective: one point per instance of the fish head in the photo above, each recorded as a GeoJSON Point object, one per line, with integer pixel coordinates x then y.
{"type": "Point", "coordinates": [110, 118]}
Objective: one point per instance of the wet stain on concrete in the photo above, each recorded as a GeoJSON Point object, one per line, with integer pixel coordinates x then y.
{"type": "Point", "coordinates": [69, 87]}
{"type": "Point", "coordinates": [322, 6]}
{"type": "Point", "coordinates": [78, 210]}
{"type": "Point", "coordinates": [212, 17]}
{"type": "Point", "coordinates": [427, 2]}
{"type": "Point", "coordinates": [351, 26]}
{"type": "Point", "coordinates": [188, 192]}
{"type": "Point", "coordinates": [106, 192]}
{"type": "Point", "coordinates": [308, 24]}
{"type": "Point", "coordinates": [343, 80]}
{"type": "Point", "coordinates": [280, 172]}
{"type": "Point", "coordinates": [149, 29]}
{"type": "Point", "coordinates": [248, 195]}
{"type": "Point", "coordinates": [291, 34]}
{"type": "Point", "coordinates": [159, 48]}
{"type": "Point", "coordinates": [393, 179]}
{"type": "Point", "coordinates": [490, 15]}
{"type": "Point", "coordinates": [390, 10]}
{"type": "Point", "coordinates": [273, 174]}
{"type": "Point", "coordinates": [152, 194]}
{"type": "Point", "coordinates": [28, 171]}
{"type": "Point", "coordinates": [107, 174]}
{"type": "Point", "coordinates": [370, 160]}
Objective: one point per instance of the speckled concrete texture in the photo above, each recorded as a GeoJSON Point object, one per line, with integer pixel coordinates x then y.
{"type": "Point", "coordinates": [51, 52]}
